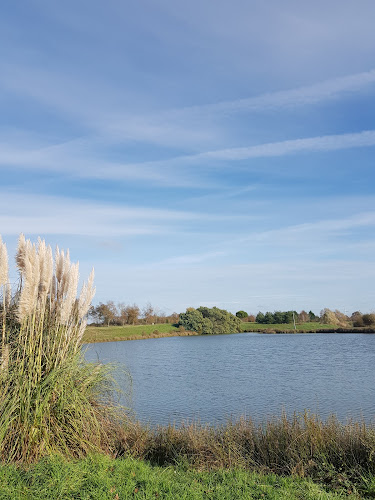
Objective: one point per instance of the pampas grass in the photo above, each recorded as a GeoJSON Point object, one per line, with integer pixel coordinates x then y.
{"type": "Point", "coordinates": [51, 400]}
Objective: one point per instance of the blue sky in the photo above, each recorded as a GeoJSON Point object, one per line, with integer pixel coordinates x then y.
{"type": "Point", "coordinates": [195, 153]}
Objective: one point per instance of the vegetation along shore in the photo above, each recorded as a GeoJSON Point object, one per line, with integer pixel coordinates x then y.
{"type": "Point", "coordinates": [63, 435]}
{"type": "Point", "coordinates": [138, 332]}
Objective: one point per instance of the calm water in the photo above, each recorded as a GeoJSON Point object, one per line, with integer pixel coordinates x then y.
{"type": "Point", "coordinates": [213, 377]}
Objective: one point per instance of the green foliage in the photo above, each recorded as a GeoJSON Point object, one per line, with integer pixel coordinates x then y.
{"type": "Point", "coordinates": [313, 317]}
{"type": "Point", "coordinates": [207, 320]}
{"type": "Point", "coordinates": [277, 317]}
{"type": "Point", "coordinates": [368, 319]}
{"type": "Point", "coordinates": [241, 314]}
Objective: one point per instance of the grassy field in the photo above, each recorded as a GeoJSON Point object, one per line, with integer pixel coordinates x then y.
{"type": "Point", "coordinates": [130, 332]}
{"type": "Point", "coordinates": [289, 327]}
{"type": "Point", "coordinates": [102, 478]}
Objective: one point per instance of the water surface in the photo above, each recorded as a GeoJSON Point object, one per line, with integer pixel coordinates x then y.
{"type": "Point", "coordinates": [210, 378]}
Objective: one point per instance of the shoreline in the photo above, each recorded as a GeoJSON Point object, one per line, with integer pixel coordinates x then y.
{"type": "Point", "coordinates": [96, 337]}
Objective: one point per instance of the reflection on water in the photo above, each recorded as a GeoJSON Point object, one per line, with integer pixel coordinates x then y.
{"type": "Point", "coordinates": [210, 378]}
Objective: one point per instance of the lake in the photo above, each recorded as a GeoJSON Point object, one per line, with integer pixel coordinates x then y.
{"type": "Point", "coordinates": [211, 378]}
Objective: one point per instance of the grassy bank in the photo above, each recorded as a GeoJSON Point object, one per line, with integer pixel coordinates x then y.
{"type": "Point", "coordinates": [131, 332]}
{"type": "Point", "coordinates": [134, 332]}
{"type": "Point", "coordinates": [101, 478]}
{"type": "Point", "coordinates": [309, 327]}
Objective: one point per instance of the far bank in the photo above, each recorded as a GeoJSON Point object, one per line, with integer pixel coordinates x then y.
{"type": "Point", "coordinates": [95, 334]}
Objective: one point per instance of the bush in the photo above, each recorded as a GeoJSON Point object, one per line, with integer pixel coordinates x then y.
{"type": "Point", "coordinates": [207, 321]}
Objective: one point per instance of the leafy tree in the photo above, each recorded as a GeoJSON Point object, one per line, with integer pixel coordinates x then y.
{"type": "Point", "coordinates": [278, 317]}
{"type": "Point", "coordinates": [149, 314]}
{"type": "Point", "coordinates": [303, 317]}
{"type": "Point", "coordinates": [268, 318]}
{"type": "Point", "coordinates": [132, 313]}
{"type": "Point", "coordinates": [241, 314]}
{"type": "Point", "coordinates": [313, 317]}
{"type": "Point", "coordinates": [192, 320]}
{"type": "Point", "coordinates": [357, 319]}
{"type": "Point", "coordinates": [259, 318]}
{"type": "Point", "coordinates": [104, 313]}
{"type": "Point", "coordinates": [328, 317]}
{"type": "Point", "coordinates": [368, 319]}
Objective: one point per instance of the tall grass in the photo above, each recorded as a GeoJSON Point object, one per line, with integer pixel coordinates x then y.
{"type": "Point", "coordinates": [328, 451]}
{"type": "Point", "coordinates": [51, 400]}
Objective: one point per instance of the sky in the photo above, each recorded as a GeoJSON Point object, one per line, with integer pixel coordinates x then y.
{"type": "Point", "coordinates": [210, 152]}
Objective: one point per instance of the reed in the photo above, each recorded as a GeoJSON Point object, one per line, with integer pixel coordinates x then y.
{"type": "Point", "coordinates": [338, 454]}
{"type": "Point", "coordinates": [51, 400]}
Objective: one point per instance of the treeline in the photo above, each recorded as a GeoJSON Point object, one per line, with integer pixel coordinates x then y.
{"type": "Point", "coordinates": [215, 320]}
{"type": "Point", "coordinates": [326, 317]}
{"type": "Point", "coordinates": [122, 314]}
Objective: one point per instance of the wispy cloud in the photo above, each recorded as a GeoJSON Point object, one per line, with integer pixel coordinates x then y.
{"type": "Point", "coordinates": [291, 98]}
{"type": "Point", "coordinates": [55, 159]}
{"type": "Point", "coordinates": [62, 215]}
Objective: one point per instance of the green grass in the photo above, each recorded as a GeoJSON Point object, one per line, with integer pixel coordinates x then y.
{"type": "Point", "coordinates": [129, 332]}
{"type": "Point", "coordinates": [102, 478]}
{"type": "Point", "coordinates": [288, 327]}
{"type": "Point", "coordinates": [134, 332]}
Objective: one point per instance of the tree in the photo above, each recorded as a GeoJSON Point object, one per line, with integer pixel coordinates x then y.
{"type": "Point", "coordinates": [210, 320]}
{"type": "Point", "coordinates": [368, 319]}
{"type": "Point", "coordinates": [241, 314]}
{"type": "Point", "coordinates": [328, 317]}
{"type": "Point", "coordinates": [191, 320]}
{"type": "Point", "coordinates": [303, 317]}
{"type": "Point", "coordinates": [259, 318]}
{"type": "Point", "coordinates": [313, 317]}
{"type": "Point", "coordinates": [278, 317]}
{"type": "Point", "coordinates": [149, 314]}
{"type": "Point", "coordinates": [104, 313]}
{"type": "Point", "coordinates": [123, 315]}
{"type": "Point", "coordinates": [132, 313]}
{"type": "Point", "coordinates": [357, 319]}
{"type": "Point", "coordinates": [268, 318]}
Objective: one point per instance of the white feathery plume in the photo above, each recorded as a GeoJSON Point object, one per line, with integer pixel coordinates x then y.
{"type": "Point", "coordinates": [30, 286]}
{"type": "Point", "coordinates": [71, 279]}
{"type": "Point", "coordinates": [45, 267]}
{"type": "Point", "coordinates": [86, 296]}
{"type": "Point", "coordinates": [21, 253]}
{"type": "Point", "coordinates": [3, 263]}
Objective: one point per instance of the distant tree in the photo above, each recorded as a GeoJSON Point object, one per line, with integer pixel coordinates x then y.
{"type": "Point", "coordinates": [241, 314]}
{"type": "Point", "coordinates": [313, 316]}
{"type": "Point", "coordinates": [269, 318]}
{"type": "Point", "coordinates": [122, 314]}
{"type": "Point", "coordinates": [191, 320]}
{"type": "Point", "coordinates": [260, 318]}
{"type": "Point", "coordinates": [368, 319]}
{"type": "Point", "coordinates": [104, 313]}
{"type": "Point", "coordinates": [357, 319]}
{"type": "Point", "coordinates": [342, 318]}
{"type": "Point", "coordinates": [132, 313]}
{"type": "Point", "coordinates": [303, 317]}
{"type": "Point", "coordinates": [149, 314]}
{"type": "Point", "coordinates": [251, 318]}
{"type": "Point", "coordinates": [278, 317]}
{"type": "Point", "coordinates": [328, 317]}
